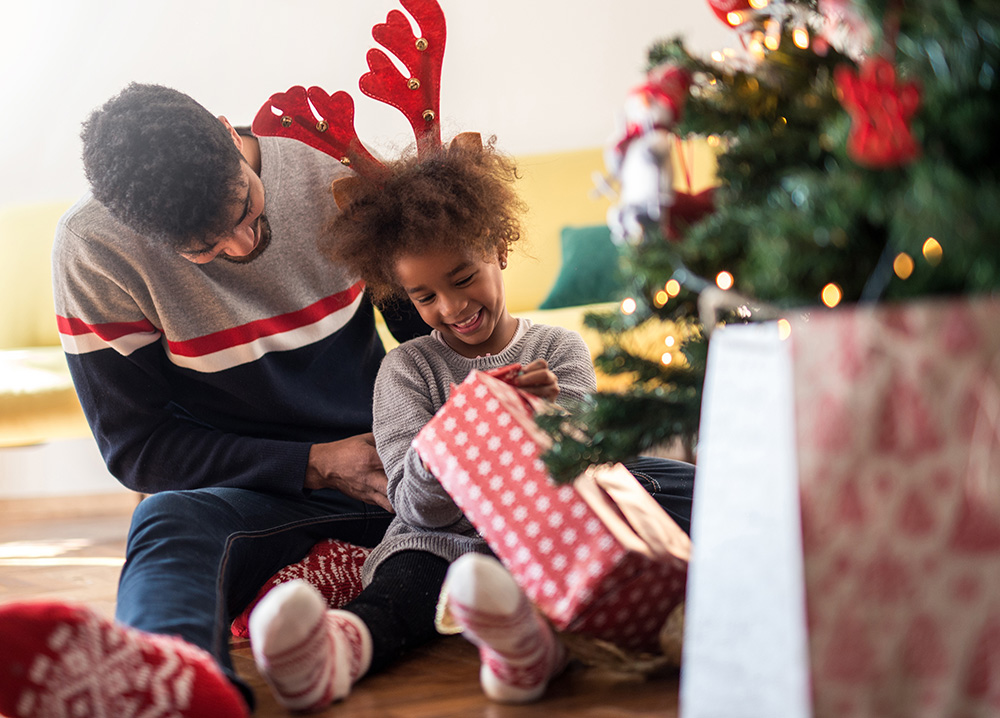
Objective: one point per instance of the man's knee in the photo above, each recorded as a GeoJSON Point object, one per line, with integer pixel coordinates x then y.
{"type": "Point", "coordinates": [670, 482]}
{"type": "Point", "coordinates": [659, 474]}
{"type": "Point", "coordinates": [176, 514]}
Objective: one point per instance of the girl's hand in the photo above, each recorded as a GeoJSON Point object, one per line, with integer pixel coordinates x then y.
{"type": "Point", "coordinates": [535, 378]}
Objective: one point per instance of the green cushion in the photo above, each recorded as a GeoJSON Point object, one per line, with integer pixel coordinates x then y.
{"type": "Point", "coordinates": [589, 271]}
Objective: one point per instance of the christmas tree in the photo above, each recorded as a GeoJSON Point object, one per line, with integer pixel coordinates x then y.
{"type": "Point", "coordinates": [858, 162]}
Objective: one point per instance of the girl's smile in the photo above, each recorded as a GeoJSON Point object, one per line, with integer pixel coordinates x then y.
{"type": "Point", "coordinates": [462, 296]}
{"type": "Point", "coordinates": [470, 325]}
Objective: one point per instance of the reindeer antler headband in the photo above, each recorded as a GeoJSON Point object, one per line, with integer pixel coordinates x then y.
{"type": "Point", "coordinates": [326, 122]}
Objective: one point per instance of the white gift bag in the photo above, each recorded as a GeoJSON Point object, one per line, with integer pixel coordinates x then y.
{"type": "Point", "coordinates": [745, 646]}
{"type": "Point", "coordinates": [846, 524]}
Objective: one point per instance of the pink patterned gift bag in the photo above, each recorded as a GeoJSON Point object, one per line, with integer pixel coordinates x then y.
{"type": "Point", "coordinates": [614, 572]}
{"type": "Point", "coordinates": [898, 433]}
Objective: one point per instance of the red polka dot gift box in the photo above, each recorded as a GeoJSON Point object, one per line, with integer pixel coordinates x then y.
{"type": "Point", "coordinates": [599, 558]}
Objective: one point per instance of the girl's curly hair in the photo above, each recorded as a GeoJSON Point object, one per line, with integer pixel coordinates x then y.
{"type": "Point", "coordinates": [460, 198]}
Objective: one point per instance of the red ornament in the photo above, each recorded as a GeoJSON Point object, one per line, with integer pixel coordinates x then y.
{"type": "Point", "coordinates": [686, 210]}
{"type": "Point", "coordinates": [669, 85]}
{"type": "Point", "coordinates": [881, 109]}
{"type": "Point", "coordinates": [724, 10]}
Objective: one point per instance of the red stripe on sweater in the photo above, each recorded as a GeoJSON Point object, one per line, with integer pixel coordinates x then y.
{"type": "Point", "coordinates": [251, 331]}
{"type": "Point", "coordinates": [107, 331]}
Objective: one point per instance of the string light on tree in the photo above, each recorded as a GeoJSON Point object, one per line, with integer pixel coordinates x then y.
{"type": "Point", "coordinates": [629, 306]}
{"type": "Point", "coordinates": [772, 34]}
{"type": "Point", "coordinates": [932, 251]}
{"type": "Point", "coordinates": [800, 36]}
{"type": "Point", "coordinates": [832, 294]}
{"type": "Point", "coordinates": [784, 329]}
{"type": "Point", "coordinates": [724, 280]}
{"type": "Point", "coordinates": [661, 298]}
{"type": "Point", "coordinates": [672, 287]}
{"type": "Point", "coordinates": [903, 265]}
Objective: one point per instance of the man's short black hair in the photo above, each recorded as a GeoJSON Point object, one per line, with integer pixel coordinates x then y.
{"type": "Point", "coordinates": [163, 165]}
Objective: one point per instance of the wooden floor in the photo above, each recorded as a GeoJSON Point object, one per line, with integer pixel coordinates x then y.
{"type": "Point", "coordinates": [78, 559]}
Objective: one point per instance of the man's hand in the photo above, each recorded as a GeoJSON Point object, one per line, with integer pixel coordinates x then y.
{"type": "Point", "coordinates": [352, 467]}
{"type": "Point", "coordinates": [536, 378]}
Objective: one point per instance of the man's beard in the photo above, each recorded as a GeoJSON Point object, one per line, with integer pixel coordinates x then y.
{"type": "Point", "coordinates": [265, 239]}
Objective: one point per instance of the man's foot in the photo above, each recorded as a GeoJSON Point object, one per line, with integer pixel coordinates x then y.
{"type": "Point", "coordinates": [64, 660]}
{"type": "Point", "coordinates": [311, 656]}
{"type": "Point", "coordinates": [332, 567]}
{"type": "Point", "coordinates": [518, 648]}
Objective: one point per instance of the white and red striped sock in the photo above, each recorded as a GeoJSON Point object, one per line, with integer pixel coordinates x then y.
{"type": "Point", "coordinates": [311, 656]}
{"type": "Point", "coordinates": [65, 660]}
{"type": "Point", "coordinates": [518, 649]}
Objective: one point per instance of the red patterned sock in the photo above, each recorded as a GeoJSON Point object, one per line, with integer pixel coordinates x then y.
{"type": "Point", "coordinates": [310, 655]}
{"type": "Point", "coordinates": [64, 660]}
{"type": "Point", "coordinates": [518, 649]}
{"type": "Point", "coordinates": [332, 567]}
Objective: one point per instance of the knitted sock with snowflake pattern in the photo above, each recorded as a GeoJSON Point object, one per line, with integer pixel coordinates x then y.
{"type": "Point", "coordinates": [310, 655]}
{"type": "Point", "coordinates": [332, 567]}
{"type": "Point", "coordinates": [519, 651]}
{"type": "Point", "coordinates": [64, 660]}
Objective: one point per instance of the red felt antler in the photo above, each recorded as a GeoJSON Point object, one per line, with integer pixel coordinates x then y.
{"type": "Point", "coordinates": [323, 121]}
{"type": "Point", "coordinates": [326, 122]}
{"type": "Point", "coordinates": [418, 96]}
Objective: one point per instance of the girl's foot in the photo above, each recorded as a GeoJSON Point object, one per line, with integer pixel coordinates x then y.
{"type": "Point", "coordinates": [518, 648]}
{"type": "Point", "coordinates": [311, 656]}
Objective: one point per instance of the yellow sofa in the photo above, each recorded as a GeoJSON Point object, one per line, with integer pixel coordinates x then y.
{"type": "Point", "coordinates": [37, 400]}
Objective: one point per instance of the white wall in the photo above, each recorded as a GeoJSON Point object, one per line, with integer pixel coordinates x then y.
{"type": "Point", "coordinates": [543, 75]}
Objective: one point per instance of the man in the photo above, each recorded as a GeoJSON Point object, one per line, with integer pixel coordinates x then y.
{"type": "Point", "coordinates": [226, 368]}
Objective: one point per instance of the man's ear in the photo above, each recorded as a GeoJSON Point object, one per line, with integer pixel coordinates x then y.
{"type": "Point", "coordinates": [237, 138]}
{"type": "Point", "coordinates": [345, 191]}
{"type": "Point", "coordinates": [467, 142]}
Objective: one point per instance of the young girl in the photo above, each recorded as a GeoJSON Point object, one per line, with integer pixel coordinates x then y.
{"type": "Point", "coordinates": [434, 231]}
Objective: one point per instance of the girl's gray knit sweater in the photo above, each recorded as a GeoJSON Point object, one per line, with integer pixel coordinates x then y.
{"type": "Point", "coordinates": [413, 382]}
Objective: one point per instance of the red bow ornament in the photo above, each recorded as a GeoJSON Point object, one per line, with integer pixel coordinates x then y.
{"type": "Point", "coordinates": [881, 109]}
{"type": "Point", "coordinates": [732, 12]}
